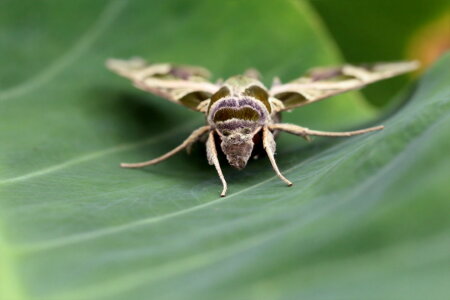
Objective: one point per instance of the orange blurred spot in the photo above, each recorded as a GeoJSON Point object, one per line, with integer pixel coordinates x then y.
{"type": "Point", "coordinates": [430, 41]}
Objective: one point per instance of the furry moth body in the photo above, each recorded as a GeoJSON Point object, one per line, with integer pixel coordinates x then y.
{"type": "Point", "coordinates": [241, 111]}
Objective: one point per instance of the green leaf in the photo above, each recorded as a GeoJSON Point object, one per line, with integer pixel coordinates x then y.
{"type": "Point", "coordinates": [367, 217]}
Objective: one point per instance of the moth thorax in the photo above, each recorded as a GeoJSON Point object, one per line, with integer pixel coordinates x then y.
{"type": "Point", "coordinates": [244, 108]}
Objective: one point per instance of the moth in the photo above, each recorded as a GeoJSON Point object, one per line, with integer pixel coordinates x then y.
{"type": "Point", "coordinates": [241, 113]}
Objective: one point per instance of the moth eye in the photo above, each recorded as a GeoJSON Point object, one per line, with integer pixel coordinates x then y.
{"type": "Point", "coordinates": [226, 132]}
{"type": "Point", "coordinates": [246, 130]}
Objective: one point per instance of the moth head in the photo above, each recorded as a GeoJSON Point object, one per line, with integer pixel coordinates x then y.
{"type": "Point", "coordinates": [237, 143]}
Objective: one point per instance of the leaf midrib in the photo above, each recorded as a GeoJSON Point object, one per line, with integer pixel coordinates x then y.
{"type": "Point", "coordinates": [96, 154]}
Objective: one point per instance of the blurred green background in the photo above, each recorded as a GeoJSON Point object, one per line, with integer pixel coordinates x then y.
{"type": "Point", "coordinates": [367, 217]}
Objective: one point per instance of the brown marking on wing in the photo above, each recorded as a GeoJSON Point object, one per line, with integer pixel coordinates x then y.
{"type": "Point", "coordinates": [192, 100]}
{"type": "Point", "coordinates": [260, 94]}
{"type": "Point", "coordinates": [221, 93]}
{"type": "Point", "coordinates": [292, 99]}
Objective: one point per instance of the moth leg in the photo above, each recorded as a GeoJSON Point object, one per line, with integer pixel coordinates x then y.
{"type": "Point", "coordinates": [211, 153]}
{"type": "Point", "coordinates": [305, 132]}
{"type": "Point", "coordinates": [195, 135]}
{"type": "Point", "coordinates": [269, 145]}
{"type": "Point", "coordinates": [276, 81]}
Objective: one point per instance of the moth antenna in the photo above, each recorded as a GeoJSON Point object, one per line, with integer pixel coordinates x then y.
{"type": "Point", "coordinates": [305, 132]}
{"type": "Point", "coordinates": [195, 135]}
{"type": "Point", "coordinates": [269, 146]}
{"type": "Point", "coordinates": [211, 152]}
{"type": "Point", "coordinates": [276, 81]}
{"type": "Point", "coordinates": [252, 73]}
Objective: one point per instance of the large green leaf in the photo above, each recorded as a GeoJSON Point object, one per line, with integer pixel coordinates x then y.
{"type": "Point", "coordinates": [367, 217]}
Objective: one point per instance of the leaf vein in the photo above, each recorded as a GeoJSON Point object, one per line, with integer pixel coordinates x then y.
{"type": "Point", "coordinates": [93, 155]}
{"type": "Point", "coordinates": [105, 19]}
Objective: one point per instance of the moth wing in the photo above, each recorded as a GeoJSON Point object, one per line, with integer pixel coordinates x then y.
{"type": "Point", "coordinates": [181, 84]}
{"type": "Point", "coordinates": [321, 83]}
